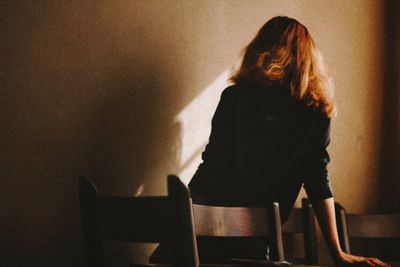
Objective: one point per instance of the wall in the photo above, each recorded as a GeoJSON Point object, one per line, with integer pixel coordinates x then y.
{"type": "Point", "coordinates": [123, 93]}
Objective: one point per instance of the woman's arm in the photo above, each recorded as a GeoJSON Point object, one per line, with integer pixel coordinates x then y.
{"type": "Point", "coordinates": [325, 212]}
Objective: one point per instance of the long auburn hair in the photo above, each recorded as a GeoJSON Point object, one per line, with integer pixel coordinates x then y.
{"type": "Point", "coordinates": [283, 52]}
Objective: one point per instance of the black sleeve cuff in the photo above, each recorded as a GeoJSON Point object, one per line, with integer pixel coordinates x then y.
{"type": "Point", "coordinates": [318, 191]}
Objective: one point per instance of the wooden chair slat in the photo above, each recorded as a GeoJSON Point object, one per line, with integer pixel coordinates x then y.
{"type": "Point", "coordinates": [241, 222]}
{"type": "Point", "coordinates": [374, 225]}
{"type": "Point", "coordinates": [230, 221]}
{"type": "Point", "coordinates": [356, 227]}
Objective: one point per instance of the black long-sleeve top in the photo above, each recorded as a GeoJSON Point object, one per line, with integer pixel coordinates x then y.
{"type": "Point", "coordinates": [264, 145]}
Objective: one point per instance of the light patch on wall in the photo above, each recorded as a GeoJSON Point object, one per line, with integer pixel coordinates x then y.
{"type": "Point", "coordinates": [195, 120]}
{"type": "Point", "coordinates": [139, 190]}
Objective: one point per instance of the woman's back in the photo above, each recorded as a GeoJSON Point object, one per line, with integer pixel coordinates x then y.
{"type": "Point", "coordinates": [262, 143]}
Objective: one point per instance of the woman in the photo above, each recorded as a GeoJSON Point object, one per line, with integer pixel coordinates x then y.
{"type": "Point", "coordinates": [271, 130]}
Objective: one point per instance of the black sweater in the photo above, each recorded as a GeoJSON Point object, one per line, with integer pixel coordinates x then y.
{"type": "Point", "coordinates": [264, 145]}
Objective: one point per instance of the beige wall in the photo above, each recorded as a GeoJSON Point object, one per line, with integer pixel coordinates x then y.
{"type": "Point", "coordinates": [123, 92]}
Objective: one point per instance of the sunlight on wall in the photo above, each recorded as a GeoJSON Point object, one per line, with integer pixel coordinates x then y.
{"type": "Point", "coordinates": [195, 119]}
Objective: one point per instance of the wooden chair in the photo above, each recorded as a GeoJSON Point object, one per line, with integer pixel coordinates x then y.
{"type": "Point", "coordinates": [137, 219]}
{"type": "Point", "coordinates": [301, 222]}
{"type": "Point", "coordinates": [241, 222]}
{"type": "Point", "coordinates": [356, 227]}
{"type": "Point", "coordinates": [193, 221]}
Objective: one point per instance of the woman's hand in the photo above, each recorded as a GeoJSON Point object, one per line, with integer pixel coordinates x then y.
{"type": "Point", "coordinates": [345, 259]}
{"type": "Point", "coordinates": [325, 212]}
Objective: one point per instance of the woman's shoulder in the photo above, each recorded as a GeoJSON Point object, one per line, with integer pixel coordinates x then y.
{"type": "Point", "coordinates": [239, 95]}
{"type": "Point", "coordinates": [231, 90]}
{"type": "Point", "coordinates": [238, 91]}
{"type": "Point", "coordinates": [232, 93]}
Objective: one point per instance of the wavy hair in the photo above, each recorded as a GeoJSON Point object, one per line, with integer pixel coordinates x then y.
{"type": "Point", "coordinates": [283, 52]}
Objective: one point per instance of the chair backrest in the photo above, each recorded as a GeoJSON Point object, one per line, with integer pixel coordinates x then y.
{"type": "Point", "coordinates": [184, 239]}
{"type": "Point", "coordinates": [301, 221]}
{"type": "Point", "coordinates": [132, 219]}
{"type": "Point", "coordinates": [365, 226]}
{"type": "Point", "coordinates": [216, 221]}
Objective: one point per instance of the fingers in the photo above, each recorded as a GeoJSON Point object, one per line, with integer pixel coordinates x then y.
{"type": "Point", "coordinates": [348, 260]}
{"type": "Point", "coordinates": [376, 262]}
{"type": "Point", "coordinates": [380, 263]}
{"type": "Point", "coordinates": [371, 263]}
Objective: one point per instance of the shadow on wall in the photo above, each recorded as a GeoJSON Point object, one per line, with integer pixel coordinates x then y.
{"type": "Point", "coordinates": [133, 131]}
